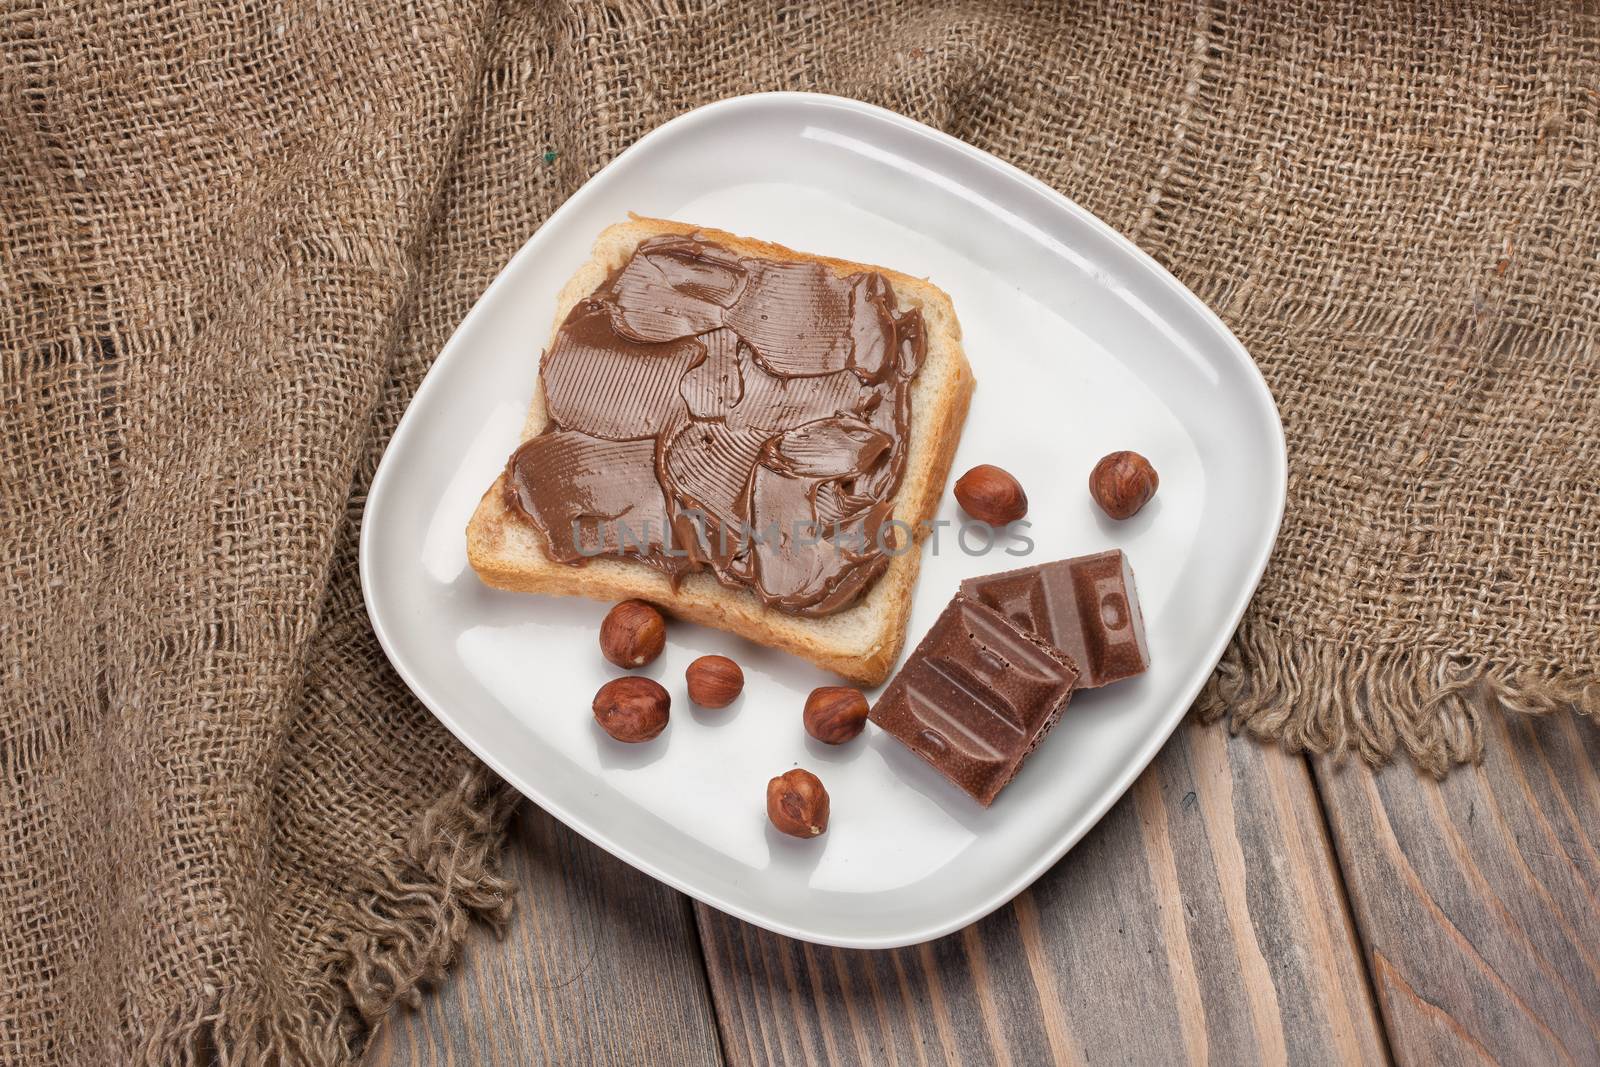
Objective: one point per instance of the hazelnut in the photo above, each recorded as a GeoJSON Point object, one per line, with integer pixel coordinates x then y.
{"type": "Point", "coordinates": [632, 708]}
{"type": "Point", "coordinates": [633, 634]}
{"type": "Point", "coordinates": [835, 714]}
{"type": "Point", "coordinates": [991, 495]}
{"type": "Point", "coordinates": [1122, 483]}
{"type": "Point", "coordinates": [797, 804]}
{"type": "Point", "coordinates": [714, 681]}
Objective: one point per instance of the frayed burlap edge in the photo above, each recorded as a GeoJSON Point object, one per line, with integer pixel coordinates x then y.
{"type": "Point", "coordinates": [402, 932]}
{"type": "Point", "coordinates": [1327, 698]}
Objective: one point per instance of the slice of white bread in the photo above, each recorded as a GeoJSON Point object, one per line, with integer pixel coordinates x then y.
{"type": "Point", "coordinates": [859, 643]}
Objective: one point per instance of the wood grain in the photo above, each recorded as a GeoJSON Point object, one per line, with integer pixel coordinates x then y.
{"type": "Point", "coordinates": [599, 966]}
{"type": "Point", "coordinates": [1202, 920]}
{"type": "Point", "coordinates": [1478, 898]}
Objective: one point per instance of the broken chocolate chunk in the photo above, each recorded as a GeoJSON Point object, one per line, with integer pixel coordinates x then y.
{"type": "Point", "coordinates": [1085, 606]}
{"type": "Point", "coordinates": [975, 697]}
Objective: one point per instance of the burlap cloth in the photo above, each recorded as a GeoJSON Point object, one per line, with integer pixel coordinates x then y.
{"type": "Point", "coordinates": [235, 235]}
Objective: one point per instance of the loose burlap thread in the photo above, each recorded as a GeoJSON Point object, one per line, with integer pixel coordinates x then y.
{"type": "Point", "coordinates": [235, 235]}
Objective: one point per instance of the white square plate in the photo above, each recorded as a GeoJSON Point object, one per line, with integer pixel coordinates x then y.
{"type": "Point", "coordinates": [1081, 345]}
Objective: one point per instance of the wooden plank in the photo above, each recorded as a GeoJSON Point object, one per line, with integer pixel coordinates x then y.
{"type": "Point", "coordinates": [1202, 920]}
{"type": "Point", "coordinates": [599, 966]}
{"type": "Point", "coordinates": [1478, 898]}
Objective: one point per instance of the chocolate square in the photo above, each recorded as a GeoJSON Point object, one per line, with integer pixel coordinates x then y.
{"type": "Point", "coordinates": [1086, 607]}
{"type": "Point", "coordinates": [975, 697]}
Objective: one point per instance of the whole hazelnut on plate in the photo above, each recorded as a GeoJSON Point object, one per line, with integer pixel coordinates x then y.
{"type": "Point", "coordinates": [1122, 483]}
{"type": "Point", "coordinates": [714, 681]}
{"type": "Point", "coordinates": [632, 709]}
{"type": "Point", "coordinates": [797, 804]}
{"type": "Point", "coordinates": [835, 714]}
{"type": "Point", "coordinates": [633, 634]}
{"type": "Point", "coordinates": [990, 495]}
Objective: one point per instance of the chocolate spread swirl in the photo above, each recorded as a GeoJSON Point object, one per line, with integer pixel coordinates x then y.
{"type": "Point", "coordinates": [710, 410]}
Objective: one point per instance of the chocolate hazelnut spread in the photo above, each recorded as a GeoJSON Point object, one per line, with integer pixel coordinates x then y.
{"type": "Point", "coordinates": [709, 410]}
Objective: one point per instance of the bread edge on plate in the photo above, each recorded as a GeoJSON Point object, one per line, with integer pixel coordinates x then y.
{"type": "Point", "coordinates": [859, 643]}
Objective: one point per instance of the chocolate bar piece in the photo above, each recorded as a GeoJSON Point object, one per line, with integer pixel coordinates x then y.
{"type": "Point", "coordinates": [975, 697]}
{"type": "Point", "coordinates": [1086, 607]}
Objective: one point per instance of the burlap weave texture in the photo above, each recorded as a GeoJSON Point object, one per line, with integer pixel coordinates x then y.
{"type": "Point", "coordinates": [232, 237]}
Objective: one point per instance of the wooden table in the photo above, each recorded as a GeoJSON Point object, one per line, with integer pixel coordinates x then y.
{"type": "Point", "coordinates": [1239, 905]}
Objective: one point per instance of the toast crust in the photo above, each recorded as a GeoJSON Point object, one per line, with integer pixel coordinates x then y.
{"type": "Point", "coordinates": [859, 643]}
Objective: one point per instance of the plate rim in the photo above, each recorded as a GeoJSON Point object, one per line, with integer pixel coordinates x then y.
{"type": "Point", "coordinates": [1276, 480]}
